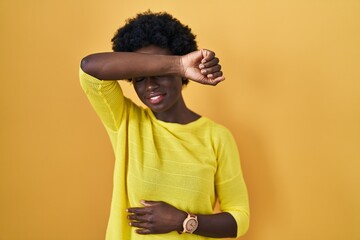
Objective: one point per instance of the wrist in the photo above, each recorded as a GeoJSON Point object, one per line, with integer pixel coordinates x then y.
{"type": "Point", "coordinates": [180, 222]}
{"type": "Point", "coordinates": [190, 224]}
{"type": "Point", "coordinates": [181, 68]}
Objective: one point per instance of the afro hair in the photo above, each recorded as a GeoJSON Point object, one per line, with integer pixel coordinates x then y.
{"type": "Point", "coordinates": [159, 29]}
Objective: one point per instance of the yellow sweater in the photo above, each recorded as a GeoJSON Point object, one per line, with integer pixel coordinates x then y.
{"type": "Point", "coordinates": [187, 166]}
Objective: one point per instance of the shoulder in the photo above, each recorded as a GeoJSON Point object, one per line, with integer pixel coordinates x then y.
{"type": "Point", "coordinates": [217, 128]}
{"type": "Point", "coordinates": [219, 135]}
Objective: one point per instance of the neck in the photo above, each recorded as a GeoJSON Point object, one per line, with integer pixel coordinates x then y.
{"type": "Point", "coordinates": [180, 114]}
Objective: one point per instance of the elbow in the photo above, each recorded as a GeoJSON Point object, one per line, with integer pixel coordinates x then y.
{"type": "Point", "coordinates": [86, 64]}
{"type": "Point", "coordinates": [243, 227]}
{"type": "Point", "coordinates": [242, 220]}
{"type": "Point", "coordinates": [90, 65]}
{"type": "Point", "coordinates": [242, 230]}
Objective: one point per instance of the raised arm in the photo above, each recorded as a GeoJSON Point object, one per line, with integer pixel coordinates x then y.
{"type": "Point", "coordinates": [124, 65]}
{"type": "Point", "coordinates": [201, 66]}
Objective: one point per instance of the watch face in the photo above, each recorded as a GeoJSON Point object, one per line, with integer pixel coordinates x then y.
{"type": "Point", "coordinates": [191, 225]}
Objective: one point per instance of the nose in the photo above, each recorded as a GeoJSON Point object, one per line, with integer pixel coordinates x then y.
{"type": "Point", "coordinates": [151, 83]}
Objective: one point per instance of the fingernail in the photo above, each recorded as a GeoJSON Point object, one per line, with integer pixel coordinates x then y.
{"type": "Point", "coordinates": [201, 66]}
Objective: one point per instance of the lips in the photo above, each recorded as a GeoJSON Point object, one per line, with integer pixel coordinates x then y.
{"type": "Point", "coordinates": [155, 98]}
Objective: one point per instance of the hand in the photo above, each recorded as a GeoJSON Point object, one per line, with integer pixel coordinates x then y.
{"type": "Point", "coordinates": [156, 217]}
{"type": "Point", "coordinates": [203, 67]}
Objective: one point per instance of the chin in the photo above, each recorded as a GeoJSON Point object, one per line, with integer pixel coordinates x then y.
{"type": "Point", "coordinates": [157, 110]}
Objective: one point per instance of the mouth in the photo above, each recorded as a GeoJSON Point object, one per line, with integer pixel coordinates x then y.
{"type": "Point", "coordinates": [155, 98]}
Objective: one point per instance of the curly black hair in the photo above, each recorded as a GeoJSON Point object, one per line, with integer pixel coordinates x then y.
{"type": "Point", "coordinates": [159, 29]}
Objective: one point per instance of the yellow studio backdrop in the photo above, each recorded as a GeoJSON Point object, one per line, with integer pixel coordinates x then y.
{"type": "Point", "coordinates": [291, 99]}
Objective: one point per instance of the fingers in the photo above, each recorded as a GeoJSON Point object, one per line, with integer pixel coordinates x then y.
{"type": "Point", "coordinates": [155, 217]}
{"type": "Point", "coordinates": [203, 67]}
{"type": "Point", "coordinates": [210, 68]}
{"type": "Point", "coordinates": [149, 203]}
{"type": "Point", "coordinates": [213, 75]}
{"type": "Point", "coordinates": [216, 81]}
{"type": "Point", "coordinates": [207, 55]}
{"type": "Point", "coordinates": [143, 227]}
{"type": "Point", "coordinates": [139, 211]}
{"type": "Point", "coordinates": [141, 217]}
{"type": "Point", "coordinates": [143, 222]}
{"type": "Point", "coordinates": [211, 81]}
{"type": "Point", "coordinates": [143, 231]}
{"type": "Point", "coordinates": [209, 62]}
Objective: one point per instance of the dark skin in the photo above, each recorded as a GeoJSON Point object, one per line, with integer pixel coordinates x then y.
{"type": "Point", "coordinates": [160, 90]}
{"type": "Point", "coordinates": [163, 94]}
{"type": "Point", "coordinates": [158, 217]}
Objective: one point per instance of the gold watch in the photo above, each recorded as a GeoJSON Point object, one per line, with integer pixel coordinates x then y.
{"type": "Point", "coordinates": [190, 223]}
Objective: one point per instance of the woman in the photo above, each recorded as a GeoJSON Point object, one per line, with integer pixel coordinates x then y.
{"type": "Point", "coordinates": [171, 163]}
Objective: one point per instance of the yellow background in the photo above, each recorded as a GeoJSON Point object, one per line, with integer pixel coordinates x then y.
{"type": "Point", "coordinates": [291, 99]}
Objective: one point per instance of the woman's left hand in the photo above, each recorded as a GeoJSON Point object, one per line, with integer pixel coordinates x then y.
{"type": "Point", "coordinates": [156, 217]}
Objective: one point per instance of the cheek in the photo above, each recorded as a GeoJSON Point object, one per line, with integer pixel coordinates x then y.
{"type": "Point", "coordinates": [178, 88]}
{"type": "Point", "coordinates": [140, 93]}
{"type": "Point", "coordinates": [138, 88]}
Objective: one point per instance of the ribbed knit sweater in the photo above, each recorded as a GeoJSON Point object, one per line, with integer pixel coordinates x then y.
{"type": "Point", "coordinates": [189, 166]}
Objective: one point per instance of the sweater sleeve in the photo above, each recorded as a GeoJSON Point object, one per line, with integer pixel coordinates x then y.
{"type": "Point", "coordinates": [106, 98]}
{"type": "Point", "coordinates": [230, 185]}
